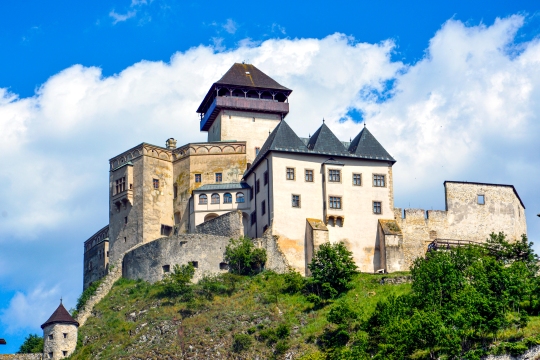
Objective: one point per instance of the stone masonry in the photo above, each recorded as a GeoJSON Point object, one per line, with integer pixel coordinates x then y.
{"type": "Point", "coordinates": [228, 225]}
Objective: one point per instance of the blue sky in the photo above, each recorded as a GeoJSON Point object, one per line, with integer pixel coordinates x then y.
{"type": "Point", "coordinates": [449, 89]}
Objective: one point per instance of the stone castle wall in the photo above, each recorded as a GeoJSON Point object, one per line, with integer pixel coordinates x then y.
{"type": "Point", "coordinates": [228, 225]}
{"type": "Point", "coordinates": [21, 356]}
{"type": "Point", "coordinates": [59, 340]}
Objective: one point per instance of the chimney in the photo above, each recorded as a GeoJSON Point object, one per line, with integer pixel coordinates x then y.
{"type": "Point", "coordinates": [170, 143]}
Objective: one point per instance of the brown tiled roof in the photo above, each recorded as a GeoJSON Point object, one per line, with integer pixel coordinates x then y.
{"type": "Point", "coordinates": [60, 316]}
{"type": "Point", "coordinates": [248, 75]}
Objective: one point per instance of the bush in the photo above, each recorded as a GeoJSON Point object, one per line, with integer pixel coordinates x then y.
{"type": "Point", "coordinates": [86, 295]}
{"type": "Point", "coordinates": [283, 331]}
{"type": "Point", "coordinates": [332, 269]}
{"type": "Point", "coordinates": [294, 282]}
{"type": "Point", "coordinates": [32, 344]}
{"type": "Point", "coordinates": [281, 347]}
{"type": "Point", "coordinates": [176, 284]}
{"type": "Point", "coordinates": [241, 342]}
{"type": "Point", "coordinates": [211, 285]}
{"type": "Point", "coordinates": [342, 314]}
{"type": "Point", "coordinates": [243, 258]}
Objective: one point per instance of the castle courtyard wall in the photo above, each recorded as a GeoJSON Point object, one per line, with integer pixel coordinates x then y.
{"type": "Point", "coordinates": [228, 225]}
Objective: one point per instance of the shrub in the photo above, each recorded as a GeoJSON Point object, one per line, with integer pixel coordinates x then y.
{"type": "Point", "coordinates": [211, 285]}
{"type": "Point", "coordinates": [32, 344]}
{"type": "Point", "coordinates": [241, 342]}
{"type": "Point", "coordinates": [294, 282]}
{"type": "Point", "coordinates": [177, 282]}
{"type": "Point", "coordinates": [86, 295]}
{"type": "Point", "coordinates": [333, 265]}
{"type": "Point", "coordinates": [243, 258]}
{"type": "Point", "coordinates": [342, 314]}
{"type": "Point", "coordinates": [268, 335]}
{"type": "Point", "coordinates": [283, 331]}
{"type": "Point", "coordinates": [281, 347]}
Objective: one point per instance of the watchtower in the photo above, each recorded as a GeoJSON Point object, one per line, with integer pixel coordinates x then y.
{"type": "Point", "coordinates": [59, 334]}
{"type": "Point", "coordinates": [244, 105]}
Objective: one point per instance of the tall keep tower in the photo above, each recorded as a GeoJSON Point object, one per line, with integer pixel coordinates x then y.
{"type": "Point", "coordinates": [59, 334]}
{"type": "Point", "coordinates": [244, 105]}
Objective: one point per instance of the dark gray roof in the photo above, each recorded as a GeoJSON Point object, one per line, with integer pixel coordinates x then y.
{"type": "Point", "coordinates": [60, 316]}
{"type": "Point", "coordinates": [224, 186]}
{"type": "Point", "coordinates": [284, 139]}
{"type": "Point", "coordinates": [365, 145]}
{"type": "Point", "coordinates": [333, 161]}
{"type": "Point", "coordinates": [248, 75]}
{"type": "Point", "coordinates": [324, 141]}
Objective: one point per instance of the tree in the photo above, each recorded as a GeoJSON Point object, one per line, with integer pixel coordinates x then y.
{"type": "Point", "coordinates": [32, 344]}
{"type": "Point", "coordinates": [243, 258]}
{"type": "Point", "coordinates": [178, 282]}
{"type": "Point", "coordinates": [332, 269]}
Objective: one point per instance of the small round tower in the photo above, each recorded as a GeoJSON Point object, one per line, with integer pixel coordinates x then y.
{"type": "Point", "coordinates": [59, 334]}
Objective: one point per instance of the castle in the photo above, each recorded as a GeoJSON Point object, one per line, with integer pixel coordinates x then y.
{"type": "Point", "coordinates": [256, 177]}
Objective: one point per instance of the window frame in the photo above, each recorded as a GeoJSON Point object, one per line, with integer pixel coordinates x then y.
{"type": "Point", "coordinates": [227, 197]}
{"type": "Point", "coordinates": [293, 173]}
{"type": "Point", "coordinates": [373, 184]}
{"type": "Point", "coordinates": [332, 176]}
{"type": "Point", "coordinates": [483, 199]}
{"type": "Point", "coordinates": [353, 179]}
{"type": "Point", "coordinates": [205, 199]}
{"type": "Point", "coordinates": [219, 177]}
{"type": "Point", "coordinates": [243, 197]}
{"type": "Point", "coordinates": [198, 178]}
{"type": "Point", "coordinates": [155, 183]}
{"type": "Point", "coordinates": [212, 197]}
{"type": "Point", "coordinates": [330, 202]}
{"type": "Point", "coordinates": [299, 203]}
{"type": "Point", "coordinates": [306, 175]}
{"type": "Point", "coordinates": [373, 207]}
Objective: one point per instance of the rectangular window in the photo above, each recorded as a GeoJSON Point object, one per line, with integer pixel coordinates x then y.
{"type": "Point", "coordinates": [258, 186]}
{"type": "Point", "coordinates": [120, 185]}
{"type": "Point", "coordinates": [198, 178]}
{"type": "Point", "coordinates": [263, 207]}
{"type": "Point", "coordinates": [65, 335]}
{"type": "Point", "coordinates": [290, 173]}
{"type": "Point", "coordinates": [335, 202]}
{"type": "Point", "coordinates": [51, 336]}
{"type": "Point", "coordinates": [166, 230]}
{"type": "Point", "coordinates": [296, 201]}
{"type": "Point", "coordinates": [257, 150]}
{"type": "Point", "coordinates": [253, 218]}
{"type": "Point", "coordinates": [64, 353]}
{"type": "Point", "coordinates": [377, 207]}
{"type": "Point", "coordinates": [334, 175]}
{"type": "Point", "coordinates": [156, 183]}
{"type": "Point", "coordinates": [125, 220]}
{"type": "Point", "coordinates": [219, 177]}
{"type": "Point", "coordinates": [175, 191]}
{"type": "Point", "coordinates": [357, 179]}
{"type": "Point", "coordinates": [309, 175]}
{"type": "Point", "coordinates": [379, 180]}
{"type": "Point", "coordinates": [195, 264]}
{"type": "Point", "coordinates": [481, 200]}
{"type": "Point", "coordinates": [266, 178]}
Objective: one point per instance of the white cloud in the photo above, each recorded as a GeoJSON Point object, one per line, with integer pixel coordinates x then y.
{"type": "Point", "coordinates": [278, 28]}
{"type": "Point", "coordinates": [230, 26]}
{"type": "Point", "coordinates": [121, 17]}
{"type": "Point", "coordinates": [467, 111]}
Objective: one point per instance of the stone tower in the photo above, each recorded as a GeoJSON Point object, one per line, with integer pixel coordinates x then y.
{"type": "Point", "coordinates": [59, 334]}
{"type": "Point", "coordinates": [244, 105]}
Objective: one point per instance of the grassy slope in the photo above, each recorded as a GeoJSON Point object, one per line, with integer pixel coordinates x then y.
{"type": "Point", "coordinates": [134, 322]}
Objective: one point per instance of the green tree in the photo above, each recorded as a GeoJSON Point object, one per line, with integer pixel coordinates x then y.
{"type": "Point", "coordinates": [177, 283]}
{"type": "Point", "coordinates": [332, 269]}
{"type": "Point", "coordinates": [32, 344]}
{"type": "Point", "coordinates": [243, 258]}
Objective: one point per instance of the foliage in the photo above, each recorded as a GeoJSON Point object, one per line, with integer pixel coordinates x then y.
{"type": "Point", "coordinates": [177, 283]}
{"type": "Point", "coordinates": [293, 282]}
{"type": "Point", "coordinates": [243, 258]}
{"type": "Point", "coordinates": [241, 342]}
{"type": "Point", "coordinates": [332, 269]}
{"type": "Point", "coordinates": [85, 296]}
{"type": "Point", "coordinates": [32, 344]}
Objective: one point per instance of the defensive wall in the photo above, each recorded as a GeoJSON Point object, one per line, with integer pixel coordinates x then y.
{"type": "Point", "coordinates": [228, 225]}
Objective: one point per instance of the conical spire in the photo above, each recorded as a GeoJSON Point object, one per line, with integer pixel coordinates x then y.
{"type": "Point", "coordinates": [60, 316]}
{"type": "Point", "coordinates": [366, 146]}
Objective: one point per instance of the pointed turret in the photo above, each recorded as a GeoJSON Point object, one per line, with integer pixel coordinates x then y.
{"type": "Point", "coordinates": [365, 145]}
{"type": "Point", "coordinates": [59, 334]}
{"type": "Point", "coordinates": [60, 316]}
{"type": "Point", "coordinates": [324, 141]}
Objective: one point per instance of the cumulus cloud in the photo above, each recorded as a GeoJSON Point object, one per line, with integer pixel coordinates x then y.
{"type": "Point", "coordinates": [466, 111]}
{"type": "Point", "coordinates": [121, 17]}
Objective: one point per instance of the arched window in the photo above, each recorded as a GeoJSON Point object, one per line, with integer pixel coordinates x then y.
{"type": "Point", "coordinates": [227, 198]}
{"type": "Point", "coordinates": [203, 199]}
{"type": "Point", "coordinates": [215, 198]}
{"type": "Point", "coordinates": [240, 197]}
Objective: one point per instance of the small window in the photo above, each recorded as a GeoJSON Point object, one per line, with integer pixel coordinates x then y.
{"type": "Point", "coordinates": [290, 173]}
{"type": "Point", "coordinates": [203, 199]}
{"type": "Point", "coordinates": [125, 220]}
{"type": "Point", "coordinates": [377, 207]}
{"type": "Point", "coordinates": [166, 230]}
{"type": "Point", "coordinates": [334, 175]}
{"type": "Point", "coordinates": [253, 218]}
{"type": "Point", "coordinates": [266, 178]}
{"type": "Point", "coordinates": [223, 266]}
{"type": "Point", "coordinates": [219, 177]}
{"type": "Point", "coordinates": [195, 264]}
{"type": "Point", "coordinates": [240, 197]}
{"type": "Point", "coordinates": [309, 175]}
{"type": "Point", "coordinates": [156, 183]}
{"type": "Point", "coordinates": [107, 253]}
{"type": "Point", "coordinates": [263, 207]}
{"type": "Point", "coordinates": [125, 239]}
{"type": "Point", "coordinates": [51, 336]}
{"type": "Point", "coordinates": [257, 150]}
{"type": "Point", "coordinates": [258, 186]}
{"type": "Point", "coordinates": [357, 179]}
{"type": "Point", "coordinates": [175, 191]}
{"type": "Point", "coordinates": [339, 222]}
{"type": "Point", "coordinates": [335, 202]}
{"type": "Point", "coordinates": [198, 178]}
{"type": "Point", "coordinates": [379, 180]}
{"type": "Point", "coordinates": [120, 185]}
{"type": "Point", "coordinates": [64, 353]}
{"type": "Point", "coordinates": [481, 200]}
{"type": "Point", "coordinates": [215, 198]}
{"type": "Point", "coordinates": [296, 201]}
{"type": "Point", "coordinates": [166, 268]}
{"type": "Point", "coordinates": [51, 355]}
{"type": "Point", "coordinates": [227, 198]}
